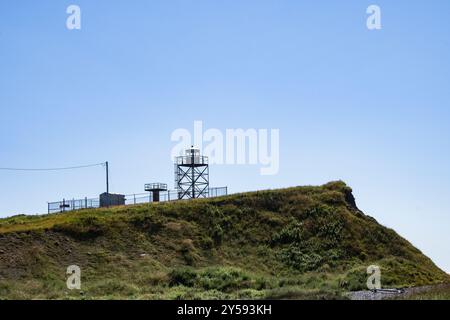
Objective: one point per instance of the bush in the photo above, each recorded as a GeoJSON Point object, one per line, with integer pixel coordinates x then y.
{"type": "Point", "coordinates": [217, 222]}
{"type": "Point", "coordinates": [217, 234]}
{"type": "Point", "coordinates": [183, 276]}
{"type": "Point", "coordinates": [355, 279]}
{"type": "Point", "coordinates": [114, 287]}
{"type": "Point", "coordinates": [223, 279]}
{"type": "Point", "coordinates": [188, 251]}
{"type": "Point", "coordinates": [293, 233]}
{"type": "Point", "coordinates": [301, 261]}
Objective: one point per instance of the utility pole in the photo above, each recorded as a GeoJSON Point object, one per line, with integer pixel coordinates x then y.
{"type": "Point", "coordinates": [193, 172]}
{"type": "Point", "coordinates": [107, 176]}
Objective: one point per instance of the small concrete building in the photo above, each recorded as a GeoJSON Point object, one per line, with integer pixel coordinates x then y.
{"type": "Point", "coordinates": [110, 199]}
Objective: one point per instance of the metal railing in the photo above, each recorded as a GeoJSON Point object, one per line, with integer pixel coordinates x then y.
{"type": "Point", "coordinates": [130, 199]}
{"type": "Point", "coordinates": [188, 160]}
{"type": "Point", "coordinates": [74, 204]}
{"type": "Point", "coordinates": [155, 186]}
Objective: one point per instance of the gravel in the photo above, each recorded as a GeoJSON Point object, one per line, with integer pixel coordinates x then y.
{"type": "Point", "coordinates": [381, 295]}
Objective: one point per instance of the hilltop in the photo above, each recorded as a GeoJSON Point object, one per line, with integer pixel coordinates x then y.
{"type": "Point", "coordinates": [301, 242]}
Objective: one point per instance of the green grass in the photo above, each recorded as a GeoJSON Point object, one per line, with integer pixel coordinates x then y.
{"type": "Point", "coordinates": [297, 243]}
{"type": "Point", "coordinates": [441, 292]}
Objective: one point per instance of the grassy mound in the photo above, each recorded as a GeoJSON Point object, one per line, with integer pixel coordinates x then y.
{"type": "Point", "coordinates": [301, 243]}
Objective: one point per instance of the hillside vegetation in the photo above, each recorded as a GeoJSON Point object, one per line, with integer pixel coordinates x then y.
{"type": "Point", "coordinates": [301, 243]}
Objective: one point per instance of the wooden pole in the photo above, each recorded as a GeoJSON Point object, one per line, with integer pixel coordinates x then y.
{"type": "Point", "coordinates": [107, 176]}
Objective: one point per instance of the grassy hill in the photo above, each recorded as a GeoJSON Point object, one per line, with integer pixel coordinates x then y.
{"type": "Point", "coordinates": [303, 242]}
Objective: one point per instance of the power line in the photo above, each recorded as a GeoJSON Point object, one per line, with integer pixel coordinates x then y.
{"type": "Point", "coordinates": [54, 169]}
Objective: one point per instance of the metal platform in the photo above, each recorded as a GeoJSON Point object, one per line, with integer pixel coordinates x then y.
{"type": "Point", "coordinates": [155, 187]}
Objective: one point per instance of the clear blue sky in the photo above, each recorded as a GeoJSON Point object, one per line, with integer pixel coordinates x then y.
{"type": "Point", "coordinates": [369, 107]}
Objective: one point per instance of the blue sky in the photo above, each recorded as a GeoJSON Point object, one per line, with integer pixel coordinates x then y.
{"type": "Point", "coordinates": [369, 107]}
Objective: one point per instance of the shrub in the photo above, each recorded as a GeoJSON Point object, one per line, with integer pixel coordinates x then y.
{"type": "Point", "coordinates": [356, 279]}
{"type": "Point", "coordinates": [217, 234]}
{"type": "Point", "coordinates": [301, 261]}
{"type": "Point", "coordinates": [223, 279]}
{"type": "Point", "coordinates": [188, 251]}
{"type": "Point", "coordinates": [183, 276]}
{"type": "Point", "coordinates": [217, 222]}
{"type": "Point", "coordinates": [292, 233]}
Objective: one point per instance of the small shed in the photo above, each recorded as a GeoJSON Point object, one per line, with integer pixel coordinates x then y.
{"type": "Point", "coordinates": [110, 199]}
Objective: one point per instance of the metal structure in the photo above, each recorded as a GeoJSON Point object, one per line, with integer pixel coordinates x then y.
{"type": "Point", "coordinates": [110, 199]}
{"type": "Point", "coordinates": [130, 199]}
{"type": "Point", "coordinates": [191, 181]}
{"type": "Point", "coordinates": [192, 175]}
{"type": "Point", "coordinates": [155, 189]}
{"type": "Point", "coordinates": [74, 204]}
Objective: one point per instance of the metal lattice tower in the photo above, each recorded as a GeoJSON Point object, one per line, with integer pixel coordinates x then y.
{"type": "Point", "coordinates": [192, 175]}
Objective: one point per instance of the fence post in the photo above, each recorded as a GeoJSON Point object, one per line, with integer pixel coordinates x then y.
{"type": "Point", "coordinates": [134, 195]}
{"type": "Point", "coordinates": [85, 202]}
